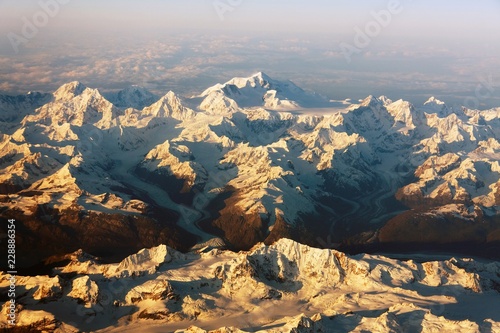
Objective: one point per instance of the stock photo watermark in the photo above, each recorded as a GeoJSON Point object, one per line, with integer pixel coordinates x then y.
{"type": "Point", "coordinates": [225, 6]}
{"type": "Point", "coordinates": [11, 263]}
{"type": "Point", "coordinates": [484, 90]}
{"type": "Point", "coordinates": [363, 37]}
{"type": "Point", "coordinates": [32, 25]}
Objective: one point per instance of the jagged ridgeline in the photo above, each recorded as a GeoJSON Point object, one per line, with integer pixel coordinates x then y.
{"type": "Point", "coordinates": [252, 160]}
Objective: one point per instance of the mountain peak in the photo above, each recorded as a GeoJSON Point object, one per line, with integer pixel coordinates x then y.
{"type": "Point", "coordinates": [370, 101]}
{"type": "Point", "coordinates": [261, 90]}
{"type": "Point", "coordinates": [261, 76]}
{"type": "Point", "coordinates": [170, 94]}
{"type": "Point", "coordinates": [434, 101]}
{"type": "Point", "coordinates": [168, 106]}
{"type": "Point", "coordinates": [167, 99]}
{"type": "Point", "coordinates": [434, 105]}
{"type": "Point", "coordinates": [69, 90]}
{"type": "Point", "coordinates": [258, 79]}
{"type": "Point", "coordinates": [386, 100]}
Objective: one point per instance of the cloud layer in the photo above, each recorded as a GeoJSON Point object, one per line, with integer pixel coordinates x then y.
{"type": "Point", "coordinates": [164, 50]}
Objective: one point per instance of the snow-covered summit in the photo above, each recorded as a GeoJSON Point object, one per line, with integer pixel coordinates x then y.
{"type": "Point", "coordinates": [169, 105]}
{"type": "Point", "coordinates": [69, 90]}
{"type": "Point", "coordinates": [370, 101]}
{"type": "Point", "coordinates": [434, 105]}
{"type": "Point", "coordinates": [261, 90]}
{"type": "Point", "coordinates": [434, 101]}
{"type": "Point", "coordinates": [384, 99]}
{"type": "Point", "coordinates": [404, 113]}
{"type": "Point", "coordinates": [258, 79]}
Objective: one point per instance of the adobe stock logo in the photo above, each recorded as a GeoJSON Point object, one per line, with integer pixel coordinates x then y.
{"type": "Point", "coordinates": [224, 6]}
{"type": "Point", "coordinates": [31, 26]}
{"type": "Point", "coordinates": [484, 90]}
{"type": "Point", "coordinates": [363, 37]}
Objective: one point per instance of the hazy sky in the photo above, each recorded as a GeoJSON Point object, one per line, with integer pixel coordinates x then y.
{"type": "Point", "coordinates": [344, 48]}
{"type": "Point", "coordinates": [417, 17]}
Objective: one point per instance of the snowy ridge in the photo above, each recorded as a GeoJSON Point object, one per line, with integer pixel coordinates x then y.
{"type": "Point", "coordinates": [287, 286]}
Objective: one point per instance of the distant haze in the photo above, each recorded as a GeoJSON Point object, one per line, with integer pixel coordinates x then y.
{"type": "Point", "coordinates": [422, 48]}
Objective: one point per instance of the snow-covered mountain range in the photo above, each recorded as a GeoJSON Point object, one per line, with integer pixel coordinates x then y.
{"type": "Point", "coordinates": [248, 165]}
{"type": "Point", "coordinates": [285, 287]}
{"type": "Point", "coordinates": [242, 163]}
